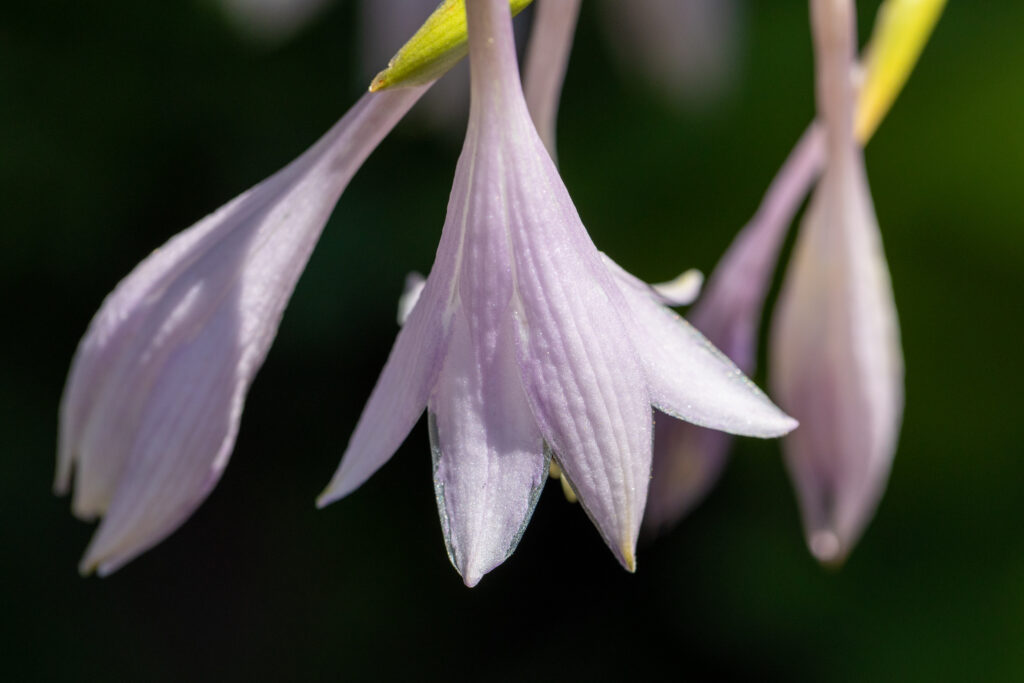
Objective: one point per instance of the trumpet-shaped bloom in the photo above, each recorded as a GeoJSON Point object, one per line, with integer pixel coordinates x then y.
{"type": "Point", "coordinates": [156, 388]}
{"type": "Point", "coordinates": [525, 344]}
{"type": "Point", "coordinates": [835, 355]}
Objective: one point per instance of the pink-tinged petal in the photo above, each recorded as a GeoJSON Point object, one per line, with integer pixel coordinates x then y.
{"type": "Point", "coordinates": [155, 393]}
{"type": "Point", "coordinates": [688, 459]}
{"type": "Point", "coordinates": [547, 56]}
{"type": "Point", "coordinates": [489, 460]}
{"type": "Point", "coordinates": [582, 377]}
{"type": "Point", "coordinates": [836, 360]}
{"type": "Point", "coordinates": [692, 380]}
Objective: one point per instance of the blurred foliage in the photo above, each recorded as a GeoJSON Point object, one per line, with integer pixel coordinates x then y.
{"type": "Point", "coordinates": [122, 122]}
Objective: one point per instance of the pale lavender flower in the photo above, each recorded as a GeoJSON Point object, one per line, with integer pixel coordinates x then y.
{"type": "Point", "coordinates": [156, 388]}
{"type": "Point", "coordinates": [526, 342]}
{"type": "Point", "coordinates": [835, 353]}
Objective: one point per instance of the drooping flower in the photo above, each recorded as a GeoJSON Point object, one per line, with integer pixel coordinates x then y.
{"type": "Point", "coordinates": [835, 353]}
{"type": "Point", "coordinates": [156, 388]}
{"type": "Point", "coordinates": [526, 343]}
{"type": "Point", "coordinates": [688, 459]}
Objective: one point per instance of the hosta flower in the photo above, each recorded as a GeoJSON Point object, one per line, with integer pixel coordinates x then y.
{"type": "Point", "coordinates": [835, 353]}
{"type": "Point", "coordinates": [155, 393]}
{"type": "Point", "coordinates": [526, 344]}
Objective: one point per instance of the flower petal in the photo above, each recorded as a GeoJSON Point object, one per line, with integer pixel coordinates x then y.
{"type": "Point", "coordinates": [415, 362]}
{"type": "Point", "coordinates": [692, 380]}
{"type": "Point", "coordinates": [582, 378]}
{"type": "Point", "coordinates": [402, 390]}
{"type": "Point", "coordinates": [489, 460]}
{"type": "Point", "coordinates": [156, 388]}
{"type": "Point", "coordinates": [582, 375]}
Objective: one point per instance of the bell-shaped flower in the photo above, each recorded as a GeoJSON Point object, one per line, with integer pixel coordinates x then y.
{"type": "Point", "coordinates": [835, 353]}
{"type": "Point", "coordinates": [156, 388]}
{"type": "Point", "coordinates": [525, 343]}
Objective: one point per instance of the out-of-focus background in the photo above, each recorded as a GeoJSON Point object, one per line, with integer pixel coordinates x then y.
{"type": "Point", "coordinates": [123, 122]}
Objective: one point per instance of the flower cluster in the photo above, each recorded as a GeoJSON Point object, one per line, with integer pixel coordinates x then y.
{"type": "Point", "coordinates": [529, 349]}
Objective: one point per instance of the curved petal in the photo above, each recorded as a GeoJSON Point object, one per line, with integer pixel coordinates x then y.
{"type": "Point", "coordinates": [692, 380]}
{"type": "Point", "coordinates": [156, 388]}
{"type": "Point", "coordinates": [401, 392]}
{"type": "Point", "coordinates": [489, 460]}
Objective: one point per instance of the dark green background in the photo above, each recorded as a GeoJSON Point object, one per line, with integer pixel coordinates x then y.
{"type": "Point", "coordinates": [123, 121]}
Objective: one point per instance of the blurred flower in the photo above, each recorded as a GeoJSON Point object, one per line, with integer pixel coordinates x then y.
{"type": "Point", "coordinates": [272, 20]}
{"type": "Point", "coordinates": [835, 353]}
{"type": "Point", "coordinates": [685, 49]}
{"type": "Point", "coordinates": [687, 459]}
{"type": "Point", "coordinates": [155, 394]}
{"type": "Point", "coordinates": [527, 344]}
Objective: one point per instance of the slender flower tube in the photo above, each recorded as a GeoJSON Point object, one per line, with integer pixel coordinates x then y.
{"type": "Point", "coordinates": [156, 388]}
{"type": "Point", "coordinates": [547, 56]}
{"type": "Point", "coordinates": [526, 343]}
{"type": "Point", "coordinates": [835, 353]}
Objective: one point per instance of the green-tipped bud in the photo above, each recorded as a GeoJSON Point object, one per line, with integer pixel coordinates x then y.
{"type": "Point", "coordinates": [434, 48]}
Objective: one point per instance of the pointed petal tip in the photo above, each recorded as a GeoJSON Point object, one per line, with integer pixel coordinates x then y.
{"type": "Point", "coordinates": [338, 488]}
{"type": "Point", "coordinates": [471, 578]}
{"type": "Point", "coordinates": [87, 567]}
{"type": "Point", "coordinates": [326, 497]}
{"type": "Point", "coordinates": [628, 557]}
{"type": "Point", "coordinates": [827, 548]}
{"type": "Point", "coordinates": [683, 290]}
